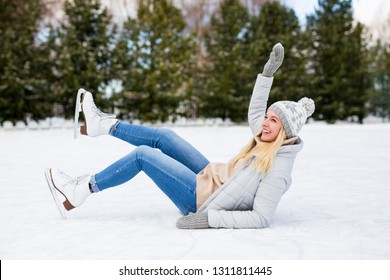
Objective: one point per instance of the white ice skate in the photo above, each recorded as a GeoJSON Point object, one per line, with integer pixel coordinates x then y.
{"type": "Point", "coordinates": [67, 192]}
{"type": "Point", "coordinates": [96, 122]}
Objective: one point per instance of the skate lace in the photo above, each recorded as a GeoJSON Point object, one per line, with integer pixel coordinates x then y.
{"type": "Point", "coordinates": [64, 177]}
{"type": "Point", "coordinates": [79, 180]}
{"type": "Point", "coordinates": [73, 181]}
{"type": "Point", "coordinates": [100, 113]}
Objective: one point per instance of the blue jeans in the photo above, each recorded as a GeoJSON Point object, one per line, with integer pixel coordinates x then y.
{"type": "Point", "coordinates": [170, 161]}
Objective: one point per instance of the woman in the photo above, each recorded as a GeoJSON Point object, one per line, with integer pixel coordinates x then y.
{"type": "Point", "coordinates": [243, 193]}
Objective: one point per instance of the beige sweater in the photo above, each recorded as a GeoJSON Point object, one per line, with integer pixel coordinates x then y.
{"type": "Point", "coordinates": [215, 174]}
{"type": "Point", "coordinates": [210, 179]}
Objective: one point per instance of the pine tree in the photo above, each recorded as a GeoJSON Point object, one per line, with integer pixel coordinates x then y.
{"type": "Point", "coordinates": [228, 93]}
{"type": "Point", "coordinates": [380, 72]}
{"type": "Point", "coordinates": [156, 55]}
{"type": "Point", "coordinates": [356, 95]}
{"type": "Point", "coordinates": [23, 88]}
{"type": "Point", "coordinates": [277, 23]}
{"type": "Point", "coordinates": [339, 66]}
{"type": "Point", "coordinates": [82, 53]}
{"type": "Point", "coordinates": [197, 15]}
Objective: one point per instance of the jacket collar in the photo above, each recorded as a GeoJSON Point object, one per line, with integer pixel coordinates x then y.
{"type": "Point", "coordinates": [290, 141]}
{"type": "Point", "coordinates": [290, 150]}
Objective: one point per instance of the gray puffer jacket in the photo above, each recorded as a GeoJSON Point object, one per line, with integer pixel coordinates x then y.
{"type": "Point", "coordinates": [247, 199]}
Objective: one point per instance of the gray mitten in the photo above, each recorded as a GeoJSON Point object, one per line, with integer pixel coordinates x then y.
{"type": "Point", "coordinates": [274, 61]}
{"type": "Point", "coordinates": [193, 221]}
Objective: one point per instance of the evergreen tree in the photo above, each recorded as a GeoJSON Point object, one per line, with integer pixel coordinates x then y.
{"type": "Point", "coordinates": [156, 56]}
{"type": "Point", "coordinates": [228, 91]}
{"type": "Point", "coordinates": [82, 53]}
{"type": "Point", "coordinates": [338, 62]}
{"type": "Point", "coordinates": [23, 88]}
{"type": "Point", "coordinates": [196, 15]}
{"type": "Point", "coordinates": [380, 71]}
{"type": "Point", "coordinates": [356, 95]}
{"type": "Point", "coordinates": [277, 23]}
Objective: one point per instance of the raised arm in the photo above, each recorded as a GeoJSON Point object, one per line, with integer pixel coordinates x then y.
{"type": "Point", "coordinates": [258, 103]}
{"type": "Point", "coordinates": [270, 192]}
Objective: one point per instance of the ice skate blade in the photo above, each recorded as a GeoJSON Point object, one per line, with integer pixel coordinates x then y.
{"type": "Point", "coordinates": [53, 192]}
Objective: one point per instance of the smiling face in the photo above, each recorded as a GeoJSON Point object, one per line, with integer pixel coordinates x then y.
{"type": "Point", "coordinates": [271, 126]}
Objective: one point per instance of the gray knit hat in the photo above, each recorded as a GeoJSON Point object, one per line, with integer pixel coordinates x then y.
{"type": "Point", "coordinates": [292, 114]}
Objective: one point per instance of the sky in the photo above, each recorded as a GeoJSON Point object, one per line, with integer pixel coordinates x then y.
{"type": "Point", "coordinates": [370, 12]}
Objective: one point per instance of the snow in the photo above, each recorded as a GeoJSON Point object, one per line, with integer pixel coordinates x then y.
{"type": "Point", "coordinates": [338, 206]}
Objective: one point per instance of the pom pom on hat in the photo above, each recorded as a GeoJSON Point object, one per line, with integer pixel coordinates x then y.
{"type": "Point", "coordinates": [308, 105]}
{"type": "Point", "coordinates": [293, 115]}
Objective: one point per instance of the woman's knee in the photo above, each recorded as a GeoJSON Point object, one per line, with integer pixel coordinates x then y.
{"type": "Point", "coordinates": [166, 138]}
{"type": "Point", "coordinates": [167, 133]}
{"type": "Point", "coordinates": [143, 154]}
{"type": "Point", "coordinates": [144, 150]}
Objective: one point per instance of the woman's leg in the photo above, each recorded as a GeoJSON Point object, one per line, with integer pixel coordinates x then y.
{"type": "Point", "coordinates": [176, 180]}
{"type": "Point", "coordinates": [164, 139]}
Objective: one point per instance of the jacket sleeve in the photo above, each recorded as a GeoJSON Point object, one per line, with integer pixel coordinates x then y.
{"type": "Point", "coordinates": [258, 103]}
{"type": "Point", "coordinates": [265, 203]}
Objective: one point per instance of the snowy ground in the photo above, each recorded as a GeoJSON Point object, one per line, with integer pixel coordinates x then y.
{"type": "Point", "coordinates": [338, 206]}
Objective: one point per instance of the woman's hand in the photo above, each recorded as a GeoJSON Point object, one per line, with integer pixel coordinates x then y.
{"type": "Point", "coordinates": [193, 221]}
{"type": "Point", "coordinates": [274, 61]}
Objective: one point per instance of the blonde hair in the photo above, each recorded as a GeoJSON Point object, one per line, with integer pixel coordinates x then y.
{"type": "Point", "coordinates": [264, 152]}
